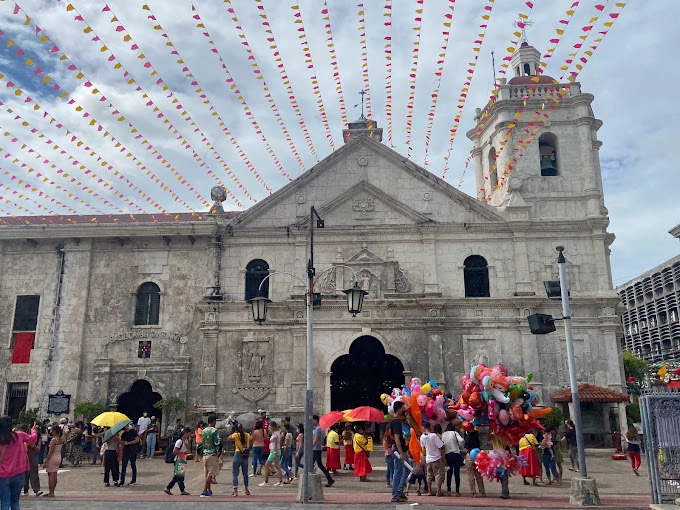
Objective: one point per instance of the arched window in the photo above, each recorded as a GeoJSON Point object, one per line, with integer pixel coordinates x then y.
{"type": "Point", "coordinates": [547, 149]}
{"type": "Point", "coordinates": [493, 172]}
{"type": "Point", "coordinates": [256, 271]}
{"type": "Point", "coordinates": [476, 274]}
{"type": "Point", "coordinates": [527, 70]}
{"type": "Point", "coordinates": [148, 305]}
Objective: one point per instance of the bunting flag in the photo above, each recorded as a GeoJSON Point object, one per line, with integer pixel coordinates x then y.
{"type": "Point", "coordinates": [334, 62]}
{"type": "Point", "coordinates": [82, 167]}
{"type": "Point", "coordinates": [179, 107]}
{"type": "Point", "coordinates": [476, 48]}
{"type": "Point", "coordinates": [28, 169]}
{"type": "Point", "coordinates": [239, 96]}
{"type": "Point", "coordinates": [159, 115]}
{"type": "Point", "coordinates": [553, 94]}
{"type": "Point", "coordinates": [32, 189]}
{"type": "Point", "coordinates": [284, 77]}
{"type": "Point", "coordinates": [260, 77]}
{"type": "Point", "coordinates": [438, 76]}
{"type": "Point", "coordinates": [94, 123]}
{"type": "Point", "coordinates": [559, 32]}
{"type": "Point", "coordinates": [310, 65]}
{"type": "Point", "coordinates": [364, 57]}
{"type": "Point", "coordinates": [199, 90]}
{"type": "Point", "coordinates": [9, 201]}
{"type": "Point", "coordinates": [60, 172]}
{"type": "Point", "coordinates": [388, 78]}
{"type": "Point", "coordinates": [105, 164]}
{"type": "Point", "coordinates": [418, 20]}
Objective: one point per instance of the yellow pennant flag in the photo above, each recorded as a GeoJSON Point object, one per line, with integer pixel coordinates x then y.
{"type": "Point", "coordinates": [662, 371]}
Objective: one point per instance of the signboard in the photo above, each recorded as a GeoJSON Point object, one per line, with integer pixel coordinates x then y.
{"type": "Point", "coordinates": [59, 403]}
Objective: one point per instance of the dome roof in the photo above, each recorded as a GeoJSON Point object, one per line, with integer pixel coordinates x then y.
{"type": "Point", "coordinates": [529, 80]}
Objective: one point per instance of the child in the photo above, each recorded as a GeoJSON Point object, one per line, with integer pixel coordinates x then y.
{"type": "Point", "coordinates": [418, 476]}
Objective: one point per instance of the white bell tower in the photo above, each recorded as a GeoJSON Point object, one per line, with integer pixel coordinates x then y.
{"type": "Point", "coordinates": [558, 174]}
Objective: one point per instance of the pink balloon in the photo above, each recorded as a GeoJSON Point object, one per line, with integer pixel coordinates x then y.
{"type": "Point", "coordinates": [504, 417]}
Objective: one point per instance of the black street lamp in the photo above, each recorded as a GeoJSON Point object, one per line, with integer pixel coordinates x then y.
{"type": "Point", "coordinates": [355, 299]}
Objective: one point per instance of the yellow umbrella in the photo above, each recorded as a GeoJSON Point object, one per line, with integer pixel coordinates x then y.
{"type": "Point", "coordinates": [109, 419]}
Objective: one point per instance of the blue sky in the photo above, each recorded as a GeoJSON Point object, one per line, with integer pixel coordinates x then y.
{"type": "Point", "coordinates": [632, 76]}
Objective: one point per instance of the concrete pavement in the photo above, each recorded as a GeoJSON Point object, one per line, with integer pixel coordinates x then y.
{"type": "Point", "coordinates": [83, 486]}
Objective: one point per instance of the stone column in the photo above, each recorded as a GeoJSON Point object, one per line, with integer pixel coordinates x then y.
{"type": "Point", "coordinates": [214, 289]}
{"type": "Point", "coordinates": [436, 357]}
{"type": "Point", "coordinates": [623, 418]}
{"type": "Point", "coordinates": [326, 397]}
{"type": "Point", "coordinates": [299, 376]}
{"type": "Point", "coordinates": [479, 172]}
{"type": "Point", "coordinates": [523, 284]}
{"type": "Point", "coordinates": [429, 262]}
{"type": "Point", "coordinates": [605, 418]}
{"type": "Point", "coordinates": [300, 263]}
{"type": "Point", "coordinates": [591, 188]}
{"type": "Point", "coordinates": [208, 366]}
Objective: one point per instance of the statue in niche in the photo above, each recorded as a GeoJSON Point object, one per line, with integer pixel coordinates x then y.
{"type": "Point", "coordinates": [365, 279]}
{"type": "Point", "coordinates": [255, 366]}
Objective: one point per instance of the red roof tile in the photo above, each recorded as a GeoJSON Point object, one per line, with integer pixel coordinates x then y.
{"type": "Point", "coordinates": [72, 219]}
{"type": "Point", "coordinates": [590, 393]}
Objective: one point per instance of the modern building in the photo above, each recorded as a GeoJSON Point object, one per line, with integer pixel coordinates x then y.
{"type": "Point", "coordinates": [651, 316]}
{"type": "Point", "coordinates": [124, 311]}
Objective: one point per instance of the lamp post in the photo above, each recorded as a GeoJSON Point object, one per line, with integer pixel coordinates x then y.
{"type": "Point", "coordinates": [355, 299]}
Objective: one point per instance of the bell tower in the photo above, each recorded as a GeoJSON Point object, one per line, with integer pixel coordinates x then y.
{"type": "Point", "coordinates": [536, 146]}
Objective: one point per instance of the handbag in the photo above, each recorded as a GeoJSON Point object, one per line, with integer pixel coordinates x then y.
{"type": "Point", "coordinates": [180, 468]}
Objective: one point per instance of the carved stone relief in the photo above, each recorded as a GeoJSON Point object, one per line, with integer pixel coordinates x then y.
{"type": "Point", "coordinates": [401, 283]}
{"type": "Point", "coordinates": [327, 283]}
{"type": "Point", "coordinates": [363, 207]}
{"type": "Point", "coordinates": [255, 365]}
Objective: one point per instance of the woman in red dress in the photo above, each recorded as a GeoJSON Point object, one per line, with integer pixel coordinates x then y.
{"type": "Point", "coordinates": [527, 450]}
{"type": "Point", "coordinates": [362, 466]}
{"type": "Point", "coordinates": [348, 443]}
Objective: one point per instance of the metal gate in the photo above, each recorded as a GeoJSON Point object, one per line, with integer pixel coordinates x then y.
{"type": "Point", "coordinates": [661, 428]}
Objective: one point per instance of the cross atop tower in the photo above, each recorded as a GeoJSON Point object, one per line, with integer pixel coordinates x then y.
{"type": "Point", "coordinates": [363, 93]}
{"type": "Point", "coordinates": [522, 24]}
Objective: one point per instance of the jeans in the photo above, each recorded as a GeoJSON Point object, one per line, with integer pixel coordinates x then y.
{"type": "Point", "coordinates": [132, 459]}
{"type": "Point", "coordinates": [10, 491]}
{"type": "Point", "coordinates": [298, 461]}
{"type": "Point", "coordinates": [287, 460]}
{"type": "Point", "coordinates": [399, 479]}
{"type": "Point", "coordinates": [317, 460]}
{"type": "Point", "coordinates": [42, 453]}
{"type": "Point", "coordinates": [573, 456]}
{"type": "Point", "coordinates": [454, 461]}
{"type": "Point", "coordinates": [179, 480]}
{"type": "Point", "coordinates": [550, 466]}
{"type": "Point", "coordinates": [389, 460]}
{"type": "Point", "coordinates": [258, 457]}
{"type": "Point", "coordinates": [151, 444]}
{"type": "Point", "coordinates": [505, 490]}
{"type": "Point", "coordinates": [240, 462]}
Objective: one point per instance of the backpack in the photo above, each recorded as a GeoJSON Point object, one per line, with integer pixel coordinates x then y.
{"type": "Point", "coordinates": [170, 454]}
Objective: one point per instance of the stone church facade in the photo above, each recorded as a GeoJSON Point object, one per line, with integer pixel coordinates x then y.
{"type": "Point", "coordinates": [451, 279]}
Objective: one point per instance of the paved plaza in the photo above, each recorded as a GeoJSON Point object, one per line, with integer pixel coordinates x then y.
{"type": "Point", "coordinates": [618, 487]}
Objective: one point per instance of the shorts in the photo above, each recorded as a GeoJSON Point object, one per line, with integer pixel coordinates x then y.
{"type": "Point", "coordinates": [416, 479]}
{"type": "Point", "coordinates": [274, 456]}
{"type": "Point", "coordinates": [211, 465]}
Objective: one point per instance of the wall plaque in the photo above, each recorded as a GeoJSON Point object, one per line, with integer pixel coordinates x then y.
{"type": "Point", "coordinates": [59, 403]}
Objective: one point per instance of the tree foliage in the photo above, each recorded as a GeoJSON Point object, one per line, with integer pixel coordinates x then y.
{"type": "Point", "coordinates": [88, 410]}
{"type": "Point", "coordinates": [633, 413]}
{"type": "Point", "coordinates": [171, 405]}
{"type": "Point", "coordinates": [554, 418]}
{"type": "Point", "coordinates": [634, 366]}
{"type": "Point", "coordinates": [26, 416]}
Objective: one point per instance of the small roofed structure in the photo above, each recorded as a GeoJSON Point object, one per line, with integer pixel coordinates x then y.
{"type": "Point", "coordinates": [597, 412]}
{"type": "Point", "coordinates": [590, 393]}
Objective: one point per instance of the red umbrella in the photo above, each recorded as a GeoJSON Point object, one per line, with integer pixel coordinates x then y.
{"type": "Point", "coordinates": [367, 413]}
{"type": "Point", "coordinates": [330, 419]}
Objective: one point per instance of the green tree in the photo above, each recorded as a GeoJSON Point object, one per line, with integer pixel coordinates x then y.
{"type": "Point", "coordinates": [633, 413]}
{"type": "Point", "coordinates": [634, 366]}
{"type": "Point", "coordinates": [170, 405]}
{"type": "Point", "coordinates": [88, 410]}
{"type": "Point", "coordinates": [26, 416]}
{"type": "Point", "coordinates": [554, 418]}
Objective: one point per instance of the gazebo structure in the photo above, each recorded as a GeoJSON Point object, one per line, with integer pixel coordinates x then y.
{"type": "Point", "coordinates": [596, 411]}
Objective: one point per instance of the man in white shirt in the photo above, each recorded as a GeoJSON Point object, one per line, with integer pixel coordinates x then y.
{"type": "Point", "coordinates": [142, 424]}
{"type": "Point", "coordinates": [436, 467]}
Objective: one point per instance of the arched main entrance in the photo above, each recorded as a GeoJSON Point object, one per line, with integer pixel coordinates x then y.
{"type": "Point", "coordinates": [358, 378]}
{"type": "Point", "coordinates": [140, 398]}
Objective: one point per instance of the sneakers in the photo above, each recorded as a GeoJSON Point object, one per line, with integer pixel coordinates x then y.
{"type": "Point", "coordinates": [206, 494]}
{"type": "Point", "coordinates": [107, 484]}
{"type": "Point", "coordinates": [278, 484]}
{"type": "Point", "coordinates": [330, 483]}
{"type": "Point", "coordinates": [264, 484]}
{"type": "Point", "coordinates": [132, 483]}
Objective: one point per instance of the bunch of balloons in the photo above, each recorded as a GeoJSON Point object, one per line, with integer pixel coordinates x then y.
{"type": "Point", "coordinates": [500, 401]}
{"type": "Point", "coordinates": [494, 464]}
{"type": "Point", "coordinates": [423, 402]}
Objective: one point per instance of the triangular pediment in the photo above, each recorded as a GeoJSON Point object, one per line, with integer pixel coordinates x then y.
{"type": "Point", "coordinates": [365, 176]}
{"type": "Point", "coordinates": [369, 204]}
{"type": "Point", "coordinates": [365, 256]}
